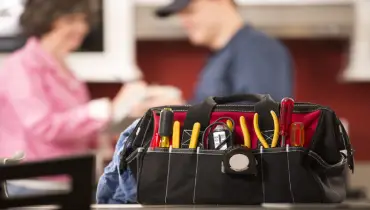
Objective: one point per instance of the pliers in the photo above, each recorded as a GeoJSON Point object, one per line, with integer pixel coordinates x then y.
{"type": "Point", "coordinates": [259, 134]}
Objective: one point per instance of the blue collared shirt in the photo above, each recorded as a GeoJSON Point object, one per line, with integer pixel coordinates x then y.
{"type": "Point", "coordinates": [113, 187]}
{"type": "Point", "coordinates": [251, 62]}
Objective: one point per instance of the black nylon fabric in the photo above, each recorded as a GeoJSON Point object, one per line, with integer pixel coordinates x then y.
{"type": "Point", "coordinates": [315, 174]}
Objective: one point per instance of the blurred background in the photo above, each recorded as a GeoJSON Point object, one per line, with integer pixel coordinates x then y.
{"type": "Point", "coordinates": [329, 41]}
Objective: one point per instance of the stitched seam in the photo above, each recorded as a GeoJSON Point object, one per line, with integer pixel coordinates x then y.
{"type": "Point", "coordinates": [132, 140]}
{"type": "Point", "coordinates": [137, 168]}
{"type": "Point", "coordinates": [195, 181]}
{"type": "Point", "coordinates": [184, 108]}
{"type": "Point", "coordinates": [139, 171]}
{"type": "Point", "coordinates": [323, 163]}
{"type": "Point", "coordinates": [311, 154]}
{"type": "Point", "coordinates": [341, 132]}
{"type": "Point", "coordinates": [263, 180]}
{"type": "Point", "coordinates": [290, 182]}
{"type": "Point", "coordinates": [168, 176]}
{"type": "Point", "coordinates": [146, 131]}
{"type": "Point", "coordinates": [222, 152]}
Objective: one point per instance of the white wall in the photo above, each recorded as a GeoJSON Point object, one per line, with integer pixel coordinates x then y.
{"type": "Point", "coordinates": [359, 65]}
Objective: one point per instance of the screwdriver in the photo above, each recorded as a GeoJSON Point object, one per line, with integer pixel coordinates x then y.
{"type": "Point", "coordinates": [229, 124]}
{"type": "Point", "coordinates": [286, 111]}
{"type": "Point", "coordinates": [156, 140]}
{"type": "Point", "coordinates": [165, 127]}
{"type": "Point", "coordinates": [176, 135]}
{"type": "Point", "coordinates": [194, 136]}
{"type": "Point", "coordinates": [297, 134]}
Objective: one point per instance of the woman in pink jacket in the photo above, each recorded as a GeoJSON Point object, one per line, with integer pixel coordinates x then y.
{"type": "Point", "coordinates": [45, 110]}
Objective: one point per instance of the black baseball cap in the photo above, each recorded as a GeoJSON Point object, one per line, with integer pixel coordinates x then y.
{"type": "Point", "coordinates": [172, 8]}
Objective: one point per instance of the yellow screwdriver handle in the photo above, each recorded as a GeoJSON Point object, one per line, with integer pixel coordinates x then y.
{"type": "Point", "coordinates": [194, 136]}
{"type": "Point", "coordinates": [229, 124]}
{"type": "Point", "coordinates": [176, 135]}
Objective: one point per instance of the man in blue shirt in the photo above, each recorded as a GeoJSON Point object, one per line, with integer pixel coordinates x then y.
{"type": "Point", "coordinates": [243, 60]}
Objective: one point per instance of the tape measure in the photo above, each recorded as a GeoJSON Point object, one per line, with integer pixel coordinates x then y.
{"type": "Point", "coordinates": [239, 160]}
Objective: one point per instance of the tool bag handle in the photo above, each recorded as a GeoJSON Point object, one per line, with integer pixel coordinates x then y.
{"type": "Point", "coordinates": [239, 98]}
{"type": "Point", "coordinates": [202, 112]}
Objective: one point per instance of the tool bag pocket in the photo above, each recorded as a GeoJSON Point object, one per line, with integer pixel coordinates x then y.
{"type": "Point", "coordinates": [313, 172]}
{"type": "Point", "coordinates": [183, 176]}
{"type": "Point", "coordinates": [287, 178]}
{"type": "Point", "coordinates": [174, 183]}
{"type": "Point", "coordinates": [192, 177]}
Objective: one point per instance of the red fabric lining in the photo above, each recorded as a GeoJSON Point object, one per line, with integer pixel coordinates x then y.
{"type": "Point", "coordinates": [155, 138]}
{"type": "Point", "coordinates": [310, 121]}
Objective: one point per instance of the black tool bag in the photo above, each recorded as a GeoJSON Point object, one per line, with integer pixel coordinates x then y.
{"type": "Point", "coordinates": [312, 173]}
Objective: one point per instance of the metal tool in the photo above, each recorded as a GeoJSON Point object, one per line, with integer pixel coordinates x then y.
{"type": "Point", "coordinates": [259, 134]}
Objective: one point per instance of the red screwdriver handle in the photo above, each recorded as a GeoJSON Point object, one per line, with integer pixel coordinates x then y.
{"type": "Point", "coordinates": [286, 111]}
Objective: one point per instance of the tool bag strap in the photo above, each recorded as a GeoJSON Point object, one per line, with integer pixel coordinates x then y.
{"type": "Point", "coordinates": [347, 147]}
{"type": "Point", "coordinates": [202, 112]}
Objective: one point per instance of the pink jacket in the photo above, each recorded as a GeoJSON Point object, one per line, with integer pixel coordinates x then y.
{"type": "Point", "coordinates": [42, 112]}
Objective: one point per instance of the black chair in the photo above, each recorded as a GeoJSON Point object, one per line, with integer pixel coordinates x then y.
{"type": "Point", "coordinates": [79, 168]}
{"type": "Point", "coordinates": [17, 158]}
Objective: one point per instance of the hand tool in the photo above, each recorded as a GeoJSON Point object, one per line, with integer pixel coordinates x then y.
{"type": "Point", "coordinates": [286, 111]}
{"type": "Point", "coordinates": [176, 135]}
{"type": "Point", "coordinates": [259, 134]}
{"type": "Point", "coordinates": [194, 136]}
{"type": "Point", "coordinates": [229, 124]}
{"type": "Point", "coordinates": [297, 134]}
{"type": "Point", "coordinates": [246, 135]}
{"type": "Point", "coordinates": [165, 127]}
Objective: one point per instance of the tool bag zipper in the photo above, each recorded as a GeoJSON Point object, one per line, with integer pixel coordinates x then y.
{"type": "Point", "coordinates": [298, 107]}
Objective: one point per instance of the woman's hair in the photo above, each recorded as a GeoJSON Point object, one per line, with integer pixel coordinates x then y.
{"type": "Point", "coordinates": [39, 15]}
